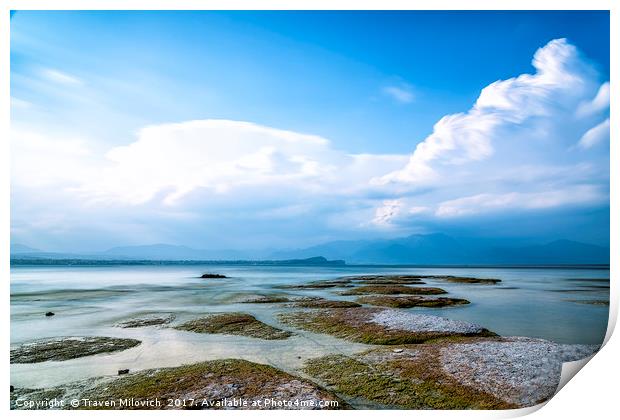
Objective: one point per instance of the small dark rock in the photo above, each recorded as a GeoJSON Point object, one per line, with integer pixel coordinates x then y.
{"type": "Point", "coordinates": [123, 371]}
{"type": "Point", "coordinates": [50, 314]}
{"type": "Point", "coordinates": [213, 276]}
{"type": "Point", "coordinates": [12, 388]}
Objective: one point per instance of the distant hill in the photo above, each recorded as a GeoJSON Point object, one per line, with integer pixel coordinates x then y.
{"type": "Point", "coordinates": [440, 249]}
{"type": "Point", "coordinates": [24, 259]}
{"type": "Point", "coordinates": [432, 249]}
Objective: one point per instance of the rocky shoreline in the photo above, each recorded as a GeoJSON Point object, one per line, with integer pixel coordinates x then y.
{"type": "Point", "coordinates": [417, 361]}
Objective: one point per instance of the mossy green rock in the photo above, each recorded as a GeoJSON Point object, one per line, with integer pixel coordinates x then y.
{"type": "Point", "coordinates": [362, 325]}
{"type": "Point", "coordinates": [66, 348]}
{"type": "Point", "coordinates": [208, 385]}
{"type": "Point", "coordinates": [322, 284]}
{"type": "Point", "coordinates": [234, 323]}
{"type": "Point", "coordinates": [265, 299]}
{"type": "Point", "coordinates": [146, 321]}
{"type": "Point", "coordinates": [411, 301]}
{"type": "Point", "coordinates": [411, 379]}
{"type": "Point", "coordinates": [324, 303]}
{"type": "Point", "coordinates": [466, 280]}
{"type": "Point", "coordinates": [393, 290]}
{"type": "Point", "coordinates": [385, 279]}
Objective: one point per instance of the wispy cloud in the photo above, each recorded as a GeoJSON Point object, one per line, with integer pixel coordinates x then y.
{"type": "Point", "coordinates": [60, 77]}
{"type": "Point", "coordinates": [485, 203]}
{"type": "Point", "coordinates": [20, 103]}
{"type": "Point", "coordinates": [402, 93]}
{"type": "Point", "coordinates": [596, 135]}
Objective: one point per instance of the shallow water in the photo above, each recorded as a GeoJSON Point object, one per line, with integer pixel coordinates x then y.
{"type": "Point", "coordinates": [533, 302]}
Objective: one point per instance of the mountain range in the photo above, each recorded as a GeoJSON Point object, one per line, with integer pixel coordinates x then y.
{"type": "Point", "coordinates": [430, 249]}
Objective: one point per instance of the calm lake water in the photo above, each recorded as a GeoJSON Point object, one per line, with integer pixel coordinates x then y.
{"type": "Point", "coordinates": [535, 302]}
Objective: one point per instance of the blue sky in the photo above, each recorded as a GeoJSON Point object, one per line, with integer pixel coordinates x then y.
{"type": "Point", "coordinates": [285, 129]}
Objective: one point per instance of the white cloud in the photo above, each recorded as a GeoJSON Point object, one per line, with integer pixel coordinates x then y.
{"type": "Point", "coordinates": [516, 149]}
{"type": "Point", "coordinates": [391, 212]}
{"type": "Point", "coordinates": [523, 114]}
{"type": "Point", "coordinates": [596, 135]}
{"type": "Point", "coordinates": [44, 161]}
{"type": "Point", "coordinates": [402, 93]}
{"type": "Point", "coordinates": [170, 161]}
{"type": "Point", "coordinates": [388, 210]}
{"type": "Point", "coordinates": [600, 103]}
{"type": "Point", "coordinates": [485, 203]}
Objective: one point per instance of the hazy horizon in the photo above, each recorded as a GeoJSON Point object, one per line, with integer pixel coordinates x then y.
{"type": "Point", "coordinates": [516, 242]}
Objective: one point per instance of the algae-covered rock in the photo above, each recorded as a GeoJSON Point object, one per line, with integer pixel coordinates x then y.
{"type": "Point", "coordinates": [381, 326]}
{"type": "Point", "coordinates": [234, 323]}
{"type": "Point", "coordinates": [264, 299]}
{"type": "Point", "coordinates": [393, 290]}
{"type": "Point", "coordinates": [218, 384]}
{"type": "Point", "coordinates": [322, 284]}
{"type": "Point", "coordinates": [324, 303]}
{"type": "Point", "coordinates": [411, 379]}
{"type": "Point", "coordinates": [463, 373]}
{"type": "Point", "coordinates": [466, 280]}
{"type": "Point", "coordinates": [65, 348]}
{"type": "Point", "coordinates": [146, 321]}
{"type": "Point", "coordinates": [385, 279]}
{"type": "Point", "coordinates": [411, 301]}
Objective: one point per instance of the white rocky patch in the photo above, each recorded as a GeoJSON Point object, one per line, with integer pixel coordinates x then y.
{"type": "Point", "coordinates": [518, 370]}
{"type": "Point", "coordinates": [399, 320]}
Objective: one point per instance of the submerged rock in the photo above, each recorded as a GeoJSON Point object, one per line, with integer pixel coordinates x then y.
{"type": "Point", "coordinates": [218, 384]}
{"type": "Point", "coordinates": [393, 290]}
{"type": "Point", "coordinates": [50, 314]}
{"type": "Point", "coordinates": [234, 323]}
{"type": "Point", "coordinates": [146, 321]}
{"type": "Point", "coordinates": [464, 373]}
{"type": "Point", "coordinates": [411, 301]}
{"type": "Point", "coordinates": [65, 348]}
{"type": "Point", "coordinates": [327, 284]}
{"type": "Point", "coordinates": [386, 279]}
{"type": "Point", "coordinates": [381, 326]}
{"type": "Point", "coordinates": [589, 302]}
{"type": "Point", "coordinates": [324, 303]}
{"type": "Point", "coordinates": [466, 280]}
{"type": "Point", "coordinates": [391, 281]}
{"type": "Point", "coordinates": [263, 299]}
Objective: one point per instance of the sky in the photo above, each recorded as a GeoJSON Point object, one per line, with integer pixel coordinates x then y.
{"type": "Point", "coordinates": [254, 130]}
